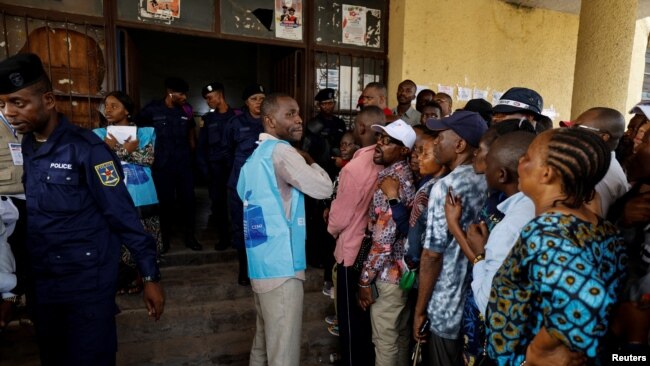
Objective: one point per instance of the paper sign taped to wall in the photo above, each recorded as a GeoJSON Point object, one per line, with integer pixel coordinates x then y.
{"type": "Point", "coordinates": [464, 94]}
{"type": "Point", "coordinates": [447, 89]}
{"type": "Point", "coordinates": [496, 95]}
{"type": "Point", "coordinates": [480, 94]}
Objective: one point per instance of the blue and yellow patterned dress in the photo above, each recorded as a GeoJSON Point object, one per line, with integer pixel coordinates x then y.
{"type": "Point", "coordinates": [563, 274]}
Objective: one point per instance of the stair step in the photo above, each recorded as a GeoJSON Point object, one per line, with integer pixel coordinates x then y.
{"type": "Point", "coordinates": [179, 255]}
{"type": "Point", "coordinates": [186, 285]}
{"type": "Point", "coordinates": [224, 348]}
{"type": "Point", "coordinates": [206, 318]}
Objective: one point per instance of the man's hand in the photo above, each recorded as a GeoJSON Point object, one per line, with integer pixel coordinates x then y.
{"type": "Point", "coordinates": [477, 237]}
{"type": "Point", "coordinates": [6, 308]}
{"type": "Point", "coordinates": [418, 321]}
{"type": "Point", "coordinates": [453, 208]}
{"type": "Point", "coordinates": [365, 298]}
{"type": "Point", "coordinates": [636, 210]}
{"type": "Point", "coordinates": [326, 214]}
{"type": "Point", "coordinates": [390, 187]}
{"type": "Point", "coordinates": [131, 145]}
{"type": "Point", "coordinates": [154, 299]}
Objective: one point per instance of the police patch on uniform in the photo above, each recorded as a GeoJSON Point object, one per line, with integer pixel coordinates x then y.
{"type": "Point", "coordinates": [107, 173]}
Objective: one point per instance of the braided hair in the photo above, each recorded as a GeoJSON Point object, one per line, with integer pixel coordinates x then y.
{"type": "Point", "coordinates": [582, 159]}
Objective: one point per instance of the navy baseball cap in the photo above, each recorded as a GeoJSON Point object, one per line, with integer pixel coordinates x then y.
{"type": "Point", "coordinates": [210, 88]}
{"type": "Point", "coordinates": [20, 71]}
{"type": "Point", "coordinates": [326, 94]}
{"type": "Point", "coordinates": [519, 100]}
{"type": "Point", "coordinates": [470, 126]}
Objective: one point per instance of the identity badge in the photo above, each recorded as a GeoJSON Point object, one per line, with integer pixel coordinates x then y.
{"type": "Point", "coordinates": [16, 153]}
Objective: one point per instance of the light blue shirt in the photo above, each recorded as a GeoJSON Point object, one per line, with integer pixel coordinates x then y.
{"type": "Point", "coordinates": [445, 308]}
{"type": "Point", "coordinates": [518, 210]}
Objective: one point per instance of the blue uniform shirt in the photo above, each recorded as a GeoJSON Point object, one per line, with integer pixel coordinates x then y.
{"type": "Point", "coordinates": [79, 212]}
{"type": "Point", "coordinates": [212, 134]}
{"type": "Point", "coordinates": [172, 126]}
{"type": "Point", "coordinates": [241, 135]}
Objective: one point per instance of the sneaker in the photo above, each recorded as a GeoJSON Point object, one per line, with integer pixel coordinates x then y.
{"type": "Point", "coordinates": [331, 320]}
{"type": "Point", "coordinates": [327, 288]}
{"type": "Point", "coordinates": [334, 330]}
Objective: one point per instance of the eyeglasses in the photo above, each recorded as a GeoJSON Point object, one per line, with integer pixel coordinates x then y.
{"type": "Point", "coordinates": [387, 140]}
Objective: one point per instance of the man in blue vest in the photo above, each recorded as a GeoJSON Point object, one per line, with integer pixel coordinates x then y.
{"type": "Point", "coordinates": [79, 212]}
{"type": "Point", "coordinates": [272, 184]}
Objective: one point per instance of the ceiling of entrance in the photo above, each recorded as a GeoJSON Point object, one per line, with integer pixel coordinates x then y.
{"type": "Point", "coordinates": [573, 6]}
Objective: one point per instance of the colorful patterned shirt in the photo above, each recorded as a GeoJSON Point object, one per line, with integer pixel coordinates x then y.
{"type": "Point", "coordinates": [445, 308]}
{"type": "Point", "coordinates": [563, 274]}
{"type": "Point", "coordinates": [387, 251]}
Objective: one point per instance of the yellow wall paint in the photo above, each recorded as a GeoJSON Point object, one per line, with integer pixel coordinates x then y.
{"type": "Point", "coordinates": [484, 44]}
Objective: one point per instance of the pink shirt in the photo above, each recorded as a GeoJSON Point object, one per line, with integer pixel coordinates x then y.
{"type": "Point", "coordinates": [348, 216]}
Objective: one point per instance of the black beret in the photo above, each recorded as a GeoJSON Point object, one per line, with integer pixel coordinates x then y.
{"type": "Point", "coordinates": [252, 90]}
{"type": "Point", "coordinates": [211, 87]}
{"type": "Point", "coordinates": [325, 94]}
{"type": "Point", "coordinates": [20, 71]}
{"type": "Point", "coordinates": [177, 84]}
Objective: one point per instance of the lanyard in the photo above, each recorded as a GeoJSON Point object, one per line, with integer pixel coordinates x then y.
{"type": "Point", "coordinates": [4, 120]}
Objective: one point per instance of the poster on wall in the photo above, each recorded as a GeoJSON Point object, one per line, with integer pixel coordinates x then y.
{"type": "Point", "coordinates": [167, 10]}
{"type": "Point", "coordinates": [288, 19]}
{"type": "Point", "coordinates": [361, 26]}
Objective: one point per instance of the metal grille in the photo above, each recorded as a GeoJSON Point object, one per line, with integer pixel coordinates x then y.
{"type": "Point", "coordinates": [73, 56]}
{"type": "Point", "coordinates": [348, 75]}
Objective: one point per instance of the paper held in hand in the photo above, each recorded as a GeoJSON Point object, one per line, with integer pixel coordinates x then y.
{"type": "Point", "coordinates": [122, 133]}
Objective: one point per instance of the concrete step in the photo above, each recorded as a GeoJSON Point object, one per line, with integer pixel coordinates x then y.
{"type": "Point", "coordinates": [179, 255]}
{"type": "Point", "coordinates": [186, 285]}
{"type": "Point", "coordinates": [224, 348]}
{"type": "Point", "coordinates": [204, 318]}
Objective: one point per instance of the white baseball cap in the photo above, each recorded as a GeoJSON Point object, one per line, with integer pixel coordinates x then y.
{"type": "Point", "coordinates": [643, 107]}
{"type": "Point", "coordinates": [399, 130]}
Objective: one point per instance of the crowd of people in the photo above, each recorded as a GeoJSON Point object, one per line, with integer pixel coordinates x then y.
{"type": "Point", "coordinates": [475, 236]}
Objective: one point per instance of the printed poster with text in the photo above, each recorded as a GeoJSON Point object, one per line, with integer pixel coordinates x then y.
{"type": "Point", "coordinates": [160, 9]}
{"type": "Point", "coordinates": [361, 26]}
{"type": "Point", "coordinates": [288, 19]}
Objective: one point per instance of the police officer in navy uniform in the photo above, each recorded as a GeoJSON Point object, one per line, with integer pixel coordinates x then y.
{"type": "Point", "coordinates": [322, 138]}
{"type": "Point", "coordinates": [173, 120]}
{"type": "Point", "coordinates": [79, 212]}
{"type": "Point", "coordinates": [213, 156]}
{"type": "Point", "coordinates": [241, 138]}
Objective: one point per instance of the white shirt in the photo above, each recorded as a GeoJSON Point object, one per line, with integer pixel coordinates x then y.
{"type": "Point", "coordinates": [613, 185]}
{"type": "Point", "coordinates": [8, 218]}
{"type": "Point", "coordinates": [518, 210]}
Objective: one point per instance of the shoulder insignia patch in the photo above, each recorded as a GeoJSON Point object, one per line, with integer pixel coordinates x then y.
{"type": "Point", "coordinates": [107, 173]}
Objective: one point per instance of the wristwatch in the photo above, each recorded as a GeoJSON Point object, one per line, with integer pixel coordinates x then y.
{"type": "Point", "coordinates": [155, 278]}
{"type": "Point", "coordinates": [393, 201]}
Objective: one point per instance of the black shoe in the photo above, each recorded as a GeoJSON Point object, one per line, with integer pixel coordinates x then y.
{"type": "Point", "coordinates": [193, 244]}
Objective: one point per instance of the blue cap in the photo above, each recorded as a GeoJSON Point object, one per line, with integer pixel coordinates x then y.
{"type": "Point", "coordinates": [470, 126]}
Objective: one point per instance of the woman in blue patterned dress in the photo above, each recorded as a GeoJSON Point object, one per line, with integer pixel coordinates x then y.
{"type": "Point", "coordinates": [551, 299]}
{"type": "Point", "coordinates": [136, 155]}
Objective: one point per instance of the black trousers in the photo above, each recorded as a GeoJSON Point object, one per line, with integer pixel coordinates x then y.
{"type": "Point", "coordinates": [355, 332]}
{"type": "Point", "coordinates": [174, 185]}
{"type": "Point", "coordinates": [218, 176]}
{"type": "Point", "coordinates": [77, 334]}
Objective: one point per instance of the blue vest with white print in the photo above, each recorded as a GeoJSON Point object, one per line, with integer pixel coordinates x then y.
{"type": "Point", "coordinates": [275, 245]}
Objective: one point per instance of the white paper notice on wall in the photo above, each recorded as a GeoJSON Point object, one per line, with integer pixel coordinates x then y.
{"type": "Point", "coordinates": [464, 94]}
{"type": "Point", "coordinates": [551, 113]}
{"type": "Point", "coordinates": [480, 94]}
{"type": "Point", "coordinates": [447, 89]}
{"type": "Point", "coordinates": [496, 95]}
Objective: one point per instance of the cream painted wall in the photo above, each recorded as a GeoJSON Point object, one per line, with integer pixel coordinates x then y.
{"type": "Point", "coordinates": [484, 44]}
